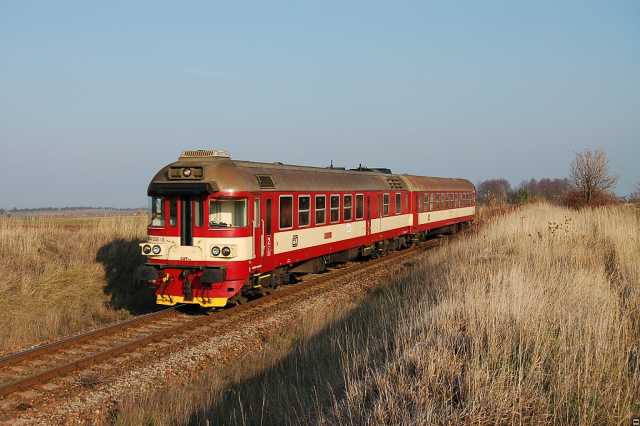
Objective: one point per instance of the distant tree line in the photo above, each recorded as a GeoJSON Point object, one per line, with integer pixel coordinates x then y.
{"type": "Point", "coordinates": [63, 210]}
{"type": "Point", "coordinates": [499, 190]}
{"type": "Point", "coordinates": [589, 184]}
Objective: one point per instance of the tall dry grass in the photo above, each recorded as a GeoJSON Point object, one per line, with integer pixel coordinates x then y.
{"type": "Point", "coordinates": [63, 274]}
{"type": "Point", "coordinates": [533, 319]}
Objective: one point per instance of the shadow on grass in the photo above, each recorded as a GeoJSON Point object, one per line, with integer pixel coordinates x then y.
{"type": "Point", "coordinates": [120, 259]}
{"type": "Point", "coordinates": [307, 381]}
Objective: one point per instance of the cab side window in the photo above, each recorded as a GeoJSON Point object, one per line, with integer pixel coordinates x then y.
{"type": "Point", "coordinates": [157, 212]}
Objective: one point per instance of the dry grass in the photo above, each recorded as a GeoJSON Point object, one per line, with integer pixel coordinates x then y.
{"type": "Point", "coordinates": [64, 274]}
{"type": "Point", "coordinates": [533, 319]}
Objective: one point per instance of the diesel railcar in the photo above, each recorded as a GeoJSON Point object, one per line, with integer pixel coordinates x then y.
{"type": "Point", "coordinates": [221, 228]}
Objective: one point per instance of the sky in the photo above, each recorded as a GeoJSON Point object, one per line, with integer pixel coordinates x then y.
{"type": "Point", "coordinates": [95, 97]}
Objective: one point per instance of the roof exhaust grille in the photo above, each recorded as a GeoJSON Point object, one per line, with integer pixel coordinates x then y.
{"type": "Point", "coordinates": [395, 183]}
{"type": "Point", "coordinates": [265, 181]}
{"type": "Point", "coordinates": [205, 153]}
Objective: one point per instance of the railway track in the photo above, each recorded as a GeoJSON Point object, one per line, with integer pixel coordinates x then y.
{"type": "Point", "coordinates": [35, 367]}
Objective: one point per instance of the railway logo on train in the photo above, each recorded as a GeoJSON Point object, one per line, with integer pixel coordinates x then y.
{"type": "Point", "coordinates": [221, 229]}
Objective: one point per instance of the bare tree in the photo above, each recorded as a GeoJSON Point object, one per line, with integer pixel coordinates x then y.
{"type": "Point", "coordinates": [589, 172]}
{"type": "Point", "coordinates": [494, 190]}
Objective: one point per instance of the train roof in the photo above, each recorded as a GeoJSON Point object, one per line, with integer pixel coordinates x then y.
{"type": "Point", "coordinates": [200, 172]}
{"type": "Point", "coordinates": [430, 183]}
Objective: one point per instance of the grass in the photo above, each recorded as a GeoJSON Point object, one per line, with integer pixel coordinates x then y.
{"type": "Point", "coordinates": [532, 319]}
{"type": "Point", "coordinates": [61, 275]}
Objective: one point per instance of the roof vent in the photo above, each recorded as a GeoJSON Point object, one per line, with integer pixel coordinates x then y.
{"type": "Point", "coordinates": [395, 183]}
{"type": "Point", "coordinates": [265, 181]}
{"type": "Point", "coordinates": [205, 153]}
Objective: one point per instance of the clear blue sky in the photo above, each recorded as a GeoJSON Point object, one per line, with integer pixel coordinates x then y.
{"type": "Point", "coordinates": [96, 96]}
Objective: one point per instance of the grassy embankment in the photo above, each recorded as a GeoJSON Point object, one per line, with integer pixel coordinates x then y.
{"type": "Point", "coordinates": [533, 319]}
{"type": "Point", "coordinates": [61, 275]}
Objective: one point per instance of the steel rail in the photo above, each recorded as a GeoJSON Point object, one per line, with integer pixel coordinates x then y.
{"type": "Point", "coordinates": [94, 358]}
{"type": "Point", "coordinates": [46, 348]}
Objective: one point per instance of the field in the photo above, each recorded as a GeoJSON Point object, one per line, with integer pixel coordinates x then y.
{"type": "Point", "coordinates": [64, 274]}
{"type": "Point", "coordinates": [533, 319]}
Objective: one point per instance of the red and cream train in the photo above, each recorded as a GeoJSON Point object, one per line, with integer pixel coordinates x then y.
{"type": "Point", "coordinates": [220, 228]}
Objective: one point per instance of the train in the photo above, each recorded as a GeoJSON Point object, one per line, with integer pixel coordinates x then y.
{"type": "Point", "coordinates": [221, 229]}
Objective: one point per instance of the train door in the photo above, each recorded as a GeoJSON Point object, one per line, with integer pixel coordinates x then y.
{"type": "Point", "coordinates": [257, 227]}
{"type": "Point", "coordinates": [266, 237]}
{"type": "Point", "coordinates": [367, 213]}
{"type": "Point", "coordinates": [416, 208]}
{"type": "Point", "coordinates": [186, 227]}
{"type": "Point", "coordinates": [380, 205]}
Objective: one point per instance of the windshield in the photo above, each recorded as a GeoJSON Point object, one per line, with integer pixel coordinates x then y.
{"type": "Point", "coordinates": [227, 213]}
{"type": "Point", "coordinates": [157, 211]}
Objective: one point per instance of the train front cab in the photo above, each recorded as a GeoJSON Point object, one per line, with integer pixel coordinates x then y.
{"type": "Point", "coordinates": [202, 248]}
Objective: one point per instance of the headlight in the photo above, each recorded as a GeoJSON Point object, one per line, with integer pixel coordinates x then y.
{"type": "Point", "coordinates": [226, 251]}
{"type": "Point", "coordinates": [186, 172]}
{"type": "Point", "coordinates": [156, 249]}
{"type": "Point", "coordinates": [215, 251]}
{"type": "Point", "coordinates": [146, 249]}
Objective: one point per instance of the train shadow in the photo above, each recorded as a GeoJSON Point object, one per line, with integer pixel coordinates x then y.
{"type": "Point", "coordinates": [307, 381]}
{"type": "Point", "coordinates": [120, 259]}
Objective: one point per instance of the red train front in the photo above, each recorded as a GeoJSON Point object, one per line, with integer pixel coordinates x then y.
{"type": "Point", "coordinates": [201, 247]}
{"type": "Point", "coordinates": [220, 228]}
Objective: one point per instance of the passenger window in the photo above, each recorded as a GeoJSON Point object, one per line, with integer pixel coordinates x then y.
{"type": "Point", "coordinates": [173, 212]}
{"type": "Point", "coordinates": [286, 211]}
{"type": "Point", "coordinates": [320, 209]}
{"type": "Point", "coordinates": [303, 210]}
{"type": "Point", "coordinates": [157, 212]}
{"type": "Point", "coordinates": [431, 200]}
{"type": "Point", "coordinates": [359, 206]}
{"type": "Point", "coordinates": [348, 199]}
{"type": "Point", "coordinates": [398, 203]}
{"type": "Point", "coordinates": [335, 208]}
{"type": "Point", "coordinates": [385, 205]}
{"type": "Point", "coordinates": [198, 213]}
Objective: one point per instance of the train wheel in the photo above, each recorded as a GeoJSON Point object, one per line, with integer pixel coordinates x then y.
{"type": "Point", "coordinates": [239, 299]}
